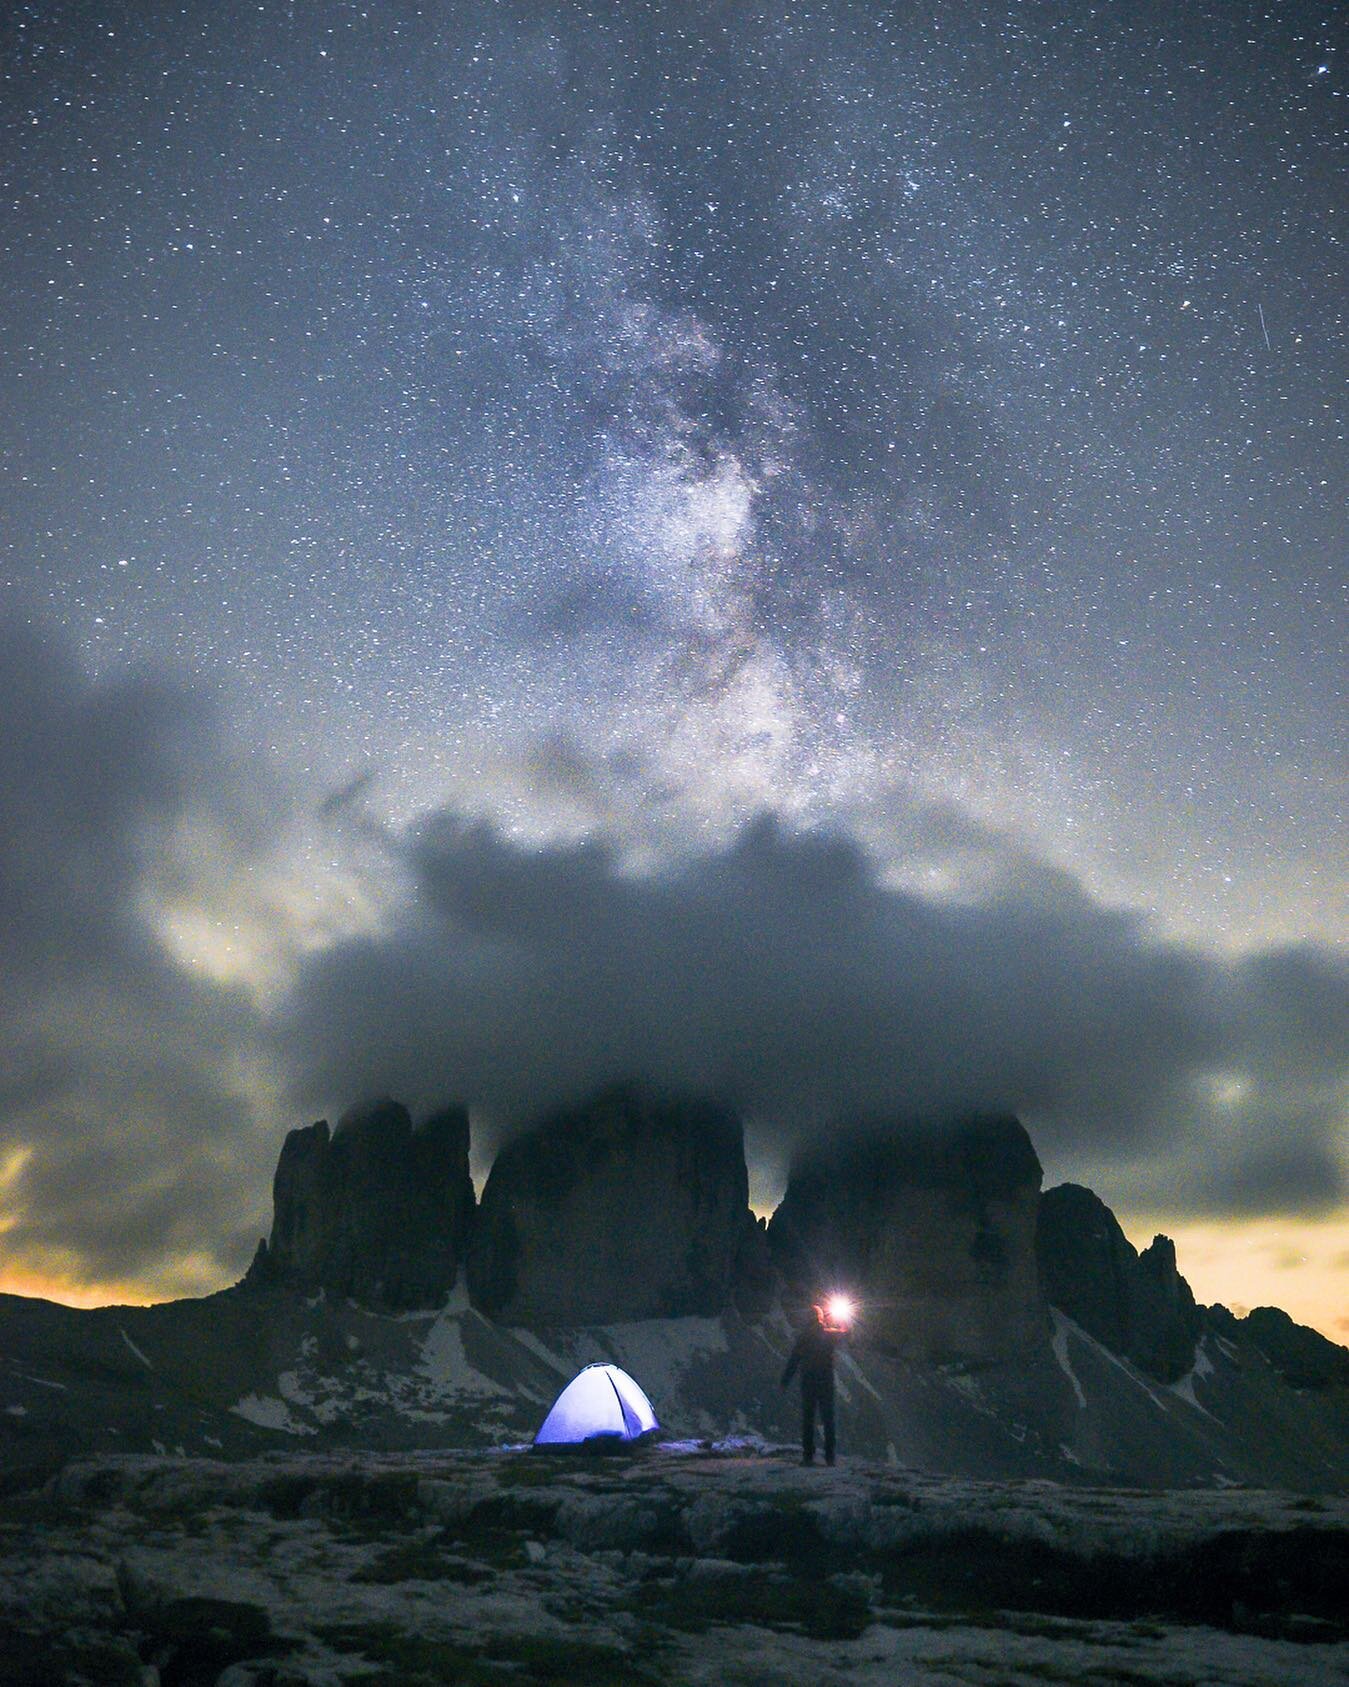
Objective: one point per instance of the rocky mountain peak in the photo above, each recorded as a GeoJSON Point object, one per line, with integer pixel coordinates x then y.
{"type": "Point", "coordinates": [376, 1210]}
{"type": "Point", "coordinates": [1138, 1305]}
{"type": "Point", "coordinates": [932, 1225]}
{"type": "Point", "coordinates": [1303, 1357]}
{"type": "Point", "coordinates": [633, 1203]}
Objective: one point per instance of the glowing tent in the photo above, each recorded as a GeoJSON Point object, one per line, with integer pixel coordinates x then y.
{"type": "Point", "coordinates": [600, 1403]}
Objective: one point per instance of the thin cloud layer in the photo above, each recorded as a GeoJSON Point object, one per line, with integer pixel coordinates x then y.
{"type": "Point", "coordinates": [787, 973]}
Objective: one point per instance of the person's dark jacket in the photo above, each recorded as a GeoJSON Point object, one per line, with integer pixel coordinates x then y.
{"type": "Point", "coordinates": [813, 1354]}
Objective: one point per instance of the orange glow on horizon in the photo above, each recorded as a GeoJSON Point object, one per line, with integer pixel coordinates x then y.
{"type": "Point", "coordinates": [1299, 1265]}
{"type": "Point", "coordinates": [36, 1285]}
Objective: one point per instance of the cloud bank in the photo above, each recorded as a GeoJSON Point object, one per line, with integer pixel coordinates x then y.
{"type": "Point", "coordinates": [785, 970]}
{"type": "Point", "coordinates": [798, 972]}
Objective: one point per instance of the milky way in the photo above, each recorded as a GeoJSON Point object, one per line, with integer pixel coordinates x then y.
{"type": "Point", "coordinates": [615, 422]}
{"type": "Point", "coordinates": [810, 397]}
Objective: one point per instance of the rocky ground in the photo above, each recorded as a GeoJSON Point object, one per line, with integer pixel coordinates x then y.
{"type": "Point", "coordinates": [686, 1563]}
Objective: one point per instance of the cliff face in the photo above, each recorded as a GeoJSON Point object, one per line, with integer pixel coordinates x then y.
{"type": "Point", "coordinates": [374, 1211]}
{"type": "Point", "coordinates": [632, 1205]}
{"type": "Point", "coordinates": [607, 1223]}
{"type": "Point", "coordinates": [1138, 1305]}
{"type": "Point", "coordinates": [1170, 1319]}
{"type": "Point", "coordinates": [933, 1229]}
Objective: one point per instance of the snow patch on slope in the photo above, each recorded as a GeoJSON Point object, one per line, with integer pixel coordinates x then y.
{"type": "Point", "coordinates": [445, 1364]}
{"type": "Point", "coordinates": [1060, 1344]}
{"type": "Point", "coordinates": [531, 1344]}
{"type": "Point", "coordinates": [854, 1370]}
{"type": "Point", "coordinates": [40, 1381]}
{"type": "Point", "coordinates": [269, 1412]}
{"type": "Point", "coordinates": [1184, 1390]}
{"type": "Point", "coordinates": [963, 1384]}
{"type": "Point", "coordinates": [136, 1350]}
{"type": "Point", "coordinates": [1134, 1375]}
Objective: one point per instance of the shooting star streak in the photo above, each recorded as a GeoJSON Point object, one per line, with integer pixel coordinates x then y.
{"type": "Point", "coordinates": [1263, 329]}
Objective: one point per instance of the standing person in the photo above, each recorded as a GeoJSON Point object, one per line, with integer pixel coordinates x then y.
{"type": "Point", "coordinates": [813, 1356]}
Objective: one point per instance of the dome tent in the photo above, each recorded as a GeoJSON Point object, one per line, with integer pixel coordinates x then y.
{"type": "Point", "coordinates": [600, 1403]}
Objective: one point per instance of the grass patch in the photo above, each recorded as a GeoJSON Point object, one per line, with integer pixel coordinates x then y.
{"type": "Point", "coordinates": [35, 1511]}
{"type": "Point", "coordinates": [526, 1514]}
{"type": "Point", "coordinates": [420, 1561]}
{"type": "Point", "coordinates": [1241, 1580]}
{"type": "Point", "coordinates": [39, 1660]}
{"type": "Point", "coordinates": [199, 1636]}
{"type": "Point", "coordinates": [802, 1604]}
{"type": "Point", "coordinates": [411, 1660]}
{"type": "Point", "coordinates": [388, 1496]}
{"type": "Point", "coordinates": [497, 1527]}
{"type": "Point", "coordinates": [783, 1534]}
{"type": "Point", "coordinates": [542, 1658]}
{"type": "Point", "coordinates": [527, 1472]}
{"type": "Point", "coordinates": [500, 1549]}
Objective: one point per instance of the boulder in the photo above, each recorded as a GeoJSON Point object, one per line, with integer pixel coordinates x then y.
{"type": "Point", "coordinates": [1136, 1305]}
{"type": "Point", "coordinates": [932, 1227]}
{"type": "Point", "coordinates": [375, 1210]}
{"type": "Point", "coordinates": [632, 1205]}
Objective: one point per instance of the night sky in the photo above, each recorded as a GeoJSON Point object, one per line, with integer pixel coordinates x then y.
{"type": "Point", "coordinates": [795, 547]}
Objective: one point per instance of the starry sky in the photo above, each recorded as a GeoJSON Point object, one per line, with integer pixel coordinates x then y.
{"type": "Point", "coordinates": [799, 546]}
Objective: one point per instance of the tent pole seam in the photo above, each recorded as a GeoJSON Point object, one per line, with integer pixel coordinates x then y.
{"type": "Point", "coordinates": [622, 1410]}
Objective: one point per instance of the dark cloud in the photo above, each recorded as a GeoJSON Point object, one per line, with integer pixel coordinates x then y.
{"type": "Point", "coordinates": [1293, 1162]}
{"type": "Point", "coordinates": [120, 1093]}
{"type": "Point", "coordinates": [783, 971]}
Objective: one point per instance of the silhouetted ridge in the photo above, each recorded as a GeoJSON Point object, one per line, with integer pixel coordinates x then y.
{"type": "Point", "coordinates": [609, 1223]}
{"type": "Point", "coordinates": [1303, 1357]}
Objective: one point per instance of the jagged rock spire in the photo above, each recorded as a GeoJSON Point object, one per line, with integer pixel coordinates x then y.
{"type": "Point", "coordinates": [375, 1210]}
{"type": "Point", "coordinates": [1138, 1305]}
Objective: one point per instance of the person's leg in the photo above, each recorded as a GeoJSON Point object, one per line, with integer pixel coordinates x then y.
{"type": "Point", "coordinates": [827, 1419]}
{"type": "Point", "coordinates": [807, 1422]}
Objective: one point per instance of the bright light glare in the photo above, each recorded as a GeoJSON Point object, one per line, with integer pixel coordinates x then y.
{"type": "Point", "coordinates": [840, 1309]}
